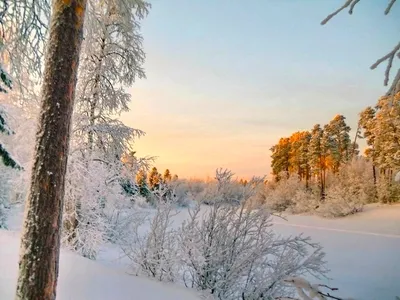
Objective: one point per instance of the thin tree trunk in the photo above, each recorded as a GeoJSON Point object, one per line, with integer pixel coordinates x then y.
{"type": "Point", "coordinates": [40, 243]}
{"type": "Point", "coordinates": [375, 187]}
{"type": "Point", "coordinates": [355, 141]}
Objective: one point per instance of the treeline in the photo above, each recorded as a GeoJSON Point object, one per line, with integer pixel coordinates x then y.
{"type": "Point", "coordinates": [311, 154]}
{"type": "Point", "coordinates": [153, 182]}
{"type": "Point", "coordinates": [324, 151]}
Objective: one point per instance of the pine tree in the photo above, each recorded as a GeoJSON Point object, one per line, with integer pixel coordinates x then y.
{"type": "Point", "coordinates": [5, 84]}
{"type": "Point", "coordinates": [280, 157]}
{"type": "Point", "coordinates": [167, 177]}
{"type": "Point", "coordinates": [40, 242]}
{"type": "Point", "coordinates": [318, 156]}
{"type": "Point", "coordinates": [141, 181]}
{"type": "Point", "coordinates": [298, 156]}
{"type": "Point", "coordinates": [340, 143]}
{"type": "Point", "coordinates": [154, 179]}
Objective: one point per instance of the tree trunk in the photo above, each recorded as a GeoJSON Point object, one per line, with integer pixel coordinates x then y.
{"type": "Point", "coordinates": [375, 187]}
{"type": "Point", "coordinates": [40, 243]}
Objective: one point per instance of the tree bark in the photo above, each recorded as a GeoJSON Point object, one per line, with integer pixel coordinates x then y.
{"type": "Point", "coordinates": [40, 242]}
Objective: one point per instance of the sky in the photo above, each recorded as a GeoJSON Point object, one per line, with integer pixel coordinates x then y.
{"type": "Point", "coordinates": [227, 78]}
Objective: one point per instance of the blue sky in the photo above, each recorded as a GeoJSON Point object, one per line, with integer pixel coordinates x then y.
{"type": "Point", "coordinates": [226, 79]}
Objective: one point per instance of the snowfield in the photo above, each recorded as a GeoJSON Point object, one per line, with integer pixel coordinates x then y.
{"type": "Point", "coordinates": [83, 279]}
{"type": "Point", "coordinates": [361, 250]}
{"type": "Point", "coordinates": [362, 254]}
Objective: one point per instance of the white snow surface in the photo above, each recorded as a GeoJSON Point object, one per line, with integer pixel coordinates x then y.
{"type": "Point", "coordinates": [362, 254]}
{"type": "Point", "coordinates": [362, 250]}
{"type": "Point", "coordinates": [83, 279]}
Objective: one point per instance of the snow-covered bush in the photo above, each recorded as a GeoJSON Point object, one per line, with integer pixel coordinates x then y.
{"type": "Point", "coordinates": [181, 195]}
{"type": "Point", "coordinates": [226, 249]}
{"type": "Point", "coordinates": [233, 253]}
{"type": "Point", "coordinates": [5, 187]}
{"type": "Point", "coordinates": [280, 195]}
{"type": "Point", "coordinates": [340, 202]}
{"type": "Point", "coordinates": [93, 197]}
{"type": "Point", "coordinates": [349, 190]}
{"type": "Point", "coordinates": [155, 252]}
{"type": "Point", "coordinates": [388, 191]}
{"type": "Point", "coordinates": [225, 190]}
{"type": "Point", "coordinates": [304, 201]}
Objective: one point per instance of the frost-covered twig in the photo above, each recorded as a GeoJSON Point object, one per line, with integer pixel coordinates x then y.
{"type": "Point", "coordinates": [389, 58]}
{"type": "Point", "coordinates": [395, 88]}
{"type": "Point", "coordinates": [308, 291]}
{"type": "Point", "coordinates": [351, 3]}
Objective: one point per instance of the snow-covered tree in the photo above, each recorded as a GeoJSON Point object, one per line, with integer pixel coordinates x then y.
{"type": "Point", "coordinates": [280, 156]}
{"type": "Point", "coordinates": [154, 179]}
{"type": "Point", "coordinates": [381, 129]}
{"type": "Point", "coordinates": [5, 156]}
{"type": "Point", "coordinates": [111, 60]}
{"type": "Point", "coordinates": [318, 152]}
{"type": "Point", "coordinates": [299, 155]}
{"type": "Point", "coordinates": [141, 181]}
{"type": "Point", "coordinates": [167, 177]}
{"type": "Point", "coordinates": [340, 146]}
{"type": "Point", "coordinates": [23, 33]}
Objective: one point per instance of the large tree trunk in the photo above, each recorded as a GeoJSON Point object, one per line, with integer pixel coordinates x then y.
{"type": "Point", "coordinates": [40, 244]}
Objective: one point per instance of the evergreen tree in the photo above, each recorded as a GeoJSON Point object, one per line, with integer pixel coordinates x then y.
{"type": "Point", "coordinates": [318, 154]}
{"type": "Point", "coordinates": [167, 177]}
{"type": "Point", "coordinates": [280, 157]}
{"type": "Point", "coordinates": [5, 83]}
{"type": "Point", "coordinates": [340, 146]}
{"type": "Point", "coordinates": [141, 181]}
{"type": "Point", "coordinates": [154, 179]}
{"type": "Point", "coordinates": [298, 156]}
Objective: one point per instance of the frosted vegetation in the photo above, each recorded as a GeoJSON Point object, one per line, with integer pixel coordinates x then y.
{"type": "Point", "coordinates": [225, 245]}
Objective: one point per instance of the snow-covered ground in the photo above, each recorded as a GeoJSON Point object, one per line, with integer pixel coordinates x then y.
{"type": "Point", "coordinates": [83, 279]}
{"type": "Point", "coordinates": [362, 253]}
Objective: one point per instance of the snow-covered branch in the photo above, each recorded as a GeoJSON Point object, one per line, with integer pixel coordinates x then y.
{"type": "Point", "coordinates": [308, 291]}
{"type": "Point", "coordinates": [389, 57]}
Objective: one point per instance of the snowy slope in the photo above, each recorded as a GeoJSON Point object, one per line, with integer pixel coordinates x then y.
{"type": "Point", "coordinates": [82, 279]}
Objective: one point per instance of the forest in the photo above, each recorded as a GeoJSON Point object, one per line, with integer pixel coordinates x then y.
{"type": "Point", "coordinates": [66, 70]}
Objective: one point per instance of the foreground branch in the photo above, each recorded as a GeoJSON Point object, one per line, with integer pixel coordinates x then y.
{"type": "Point", "coordinates": [307, 291]}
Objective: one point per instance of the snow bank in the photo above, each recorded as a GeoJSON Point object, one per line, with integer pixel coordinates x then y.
{"type": "Point", "coordinates": [83, 279]}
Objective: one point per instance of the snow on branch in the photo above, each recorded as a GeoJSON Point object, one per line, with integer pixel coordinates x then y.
{"type": "Point", "coordinates": [308, 291]}
{"type": "Point", "coordinates": [351, 4]}
{"type": "Point", "coordinates": [348, 3]}
{"type": "Point", "coordinates": [389, 57]}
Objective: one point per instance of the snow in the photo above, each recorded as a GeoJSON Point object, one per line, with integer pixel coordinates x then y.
{"type": "Point", "coordinates": [362, 254]}
{"type": "Point", "coordinates": [361, 250]}
{"type": "Point", "coordinates": [83, 279]}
